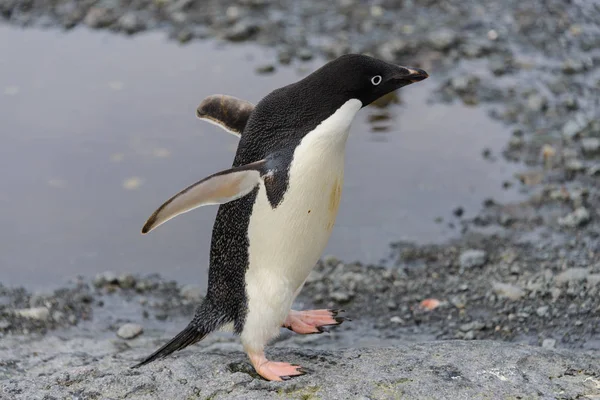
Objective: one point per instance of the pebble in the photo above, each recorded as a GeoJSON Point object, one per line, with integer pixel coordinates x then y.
{"type": "Point", "coordinates": [537, 103]}
{"type": "Point", "coordinates": [131, 23]}
{"type": "Point", "coordinates": [571, 66]}
{"type": "Point", "coordinates": [472, 259]}
{"type": "Point", "coordinates": [572, 275]}
{"type": "Point", "coordinates": [98, 17]}
{"type": "Point", "coordinates": [577, 218]}
{"type": "Point", "coordinates": [573, 128]}
{"type": "Point", "coordinates": [542, 311]}
{"type": "Point", "coordinates": [574, 165]}
{"type": "Point", "coordinates": [549, 343]}
{"type": "Point", "coordinates": [39, 313]}
{"type": "Point", "coordinates": [396, 320]}
{"type": "Point", "coordinates": [129, 331]}
{"type": "Point", "coordinates": [590, 146]}
{"type": "Point", "coordinates": [191, 292]}
{"type": "Point", "coordinates": [442, 39]}
{"type": "Point", "coordinates": [340, 296]}
{"type": "Point", "coordinates": [241, 30]}
{"type": "Point", "coordinates": [126, 281]}
{"type": "Point", "coordinates": [507, 290]}
{"type": "Point", "coordinates": [104, 278]}
{"type": "Point", "coordinates": [305, 54]}
{"type": "Point", "coordinates": [472, 326]}
{"type": "Point", "coordinates": [265, 69]}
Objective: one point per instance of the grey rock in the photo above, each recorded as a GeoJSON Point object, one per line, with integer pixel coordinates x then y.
{"type": "Point", "coordinates": [131, 23]}
{"type": "Point", "coordinates": [590, 146]}
{"type": "Point", "coordinates": [129, 331]}
{"type": "Point", "coordinates": [126, 281]}
{"type": "Point", "coordinates": [241, 30]}
{"type": "Point", "coordinates": [593, 280]}
{"type": "Point", "coordinates": [542, 311]}
{"type": "Point", "coordinates": [192, 292]}
{"type": "Point", "coordinates": [574, 165]}
{"type": "Point", "coordinates": [549, 343]}
{"type": "Point", "coordinates": [574, 127]}
{"type": "Point", "coordinates": [305, 54]}
{"type": "Point", "coordinates": [572, 275]}
{"type": "Point", "coordinates": [459, 370]}
{"type": "Point", "coordinates": [507, 290]}
{"type": "Point", "coordinates": [472, 259]}
{"type": "Point", "coordinates": [265, 69]}
{"type": "Point", "coordinates": [579, 217]}
{"type": "Point", "coordinates": [443, 39]}
{"type": "Point", "coordinates": [396, 320]}
{"type": "Point", "coordinates": [571, 66]}
{"type": "Point", "coordinates": [537, 103]}
{"type": "Point", "coordinates": [472, 326]}
{"type": "Point", "coordinates": [99, 17]}
{"type": "Point", "coordinates": [340, 296]}
{"type": "Point", "coordinates": [104, 278]}
{"type": "Point", "coordinates": [39, 313]}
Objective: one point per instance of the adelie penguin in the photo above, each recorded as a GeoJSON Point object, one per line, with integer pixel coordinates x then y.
{"type": "Point", "coordinates": [278, 203]}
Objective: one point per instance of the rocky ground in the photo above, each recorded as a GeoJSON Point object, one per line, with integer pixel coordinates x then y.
{"type": "Point", "coordinates": [526, 272]}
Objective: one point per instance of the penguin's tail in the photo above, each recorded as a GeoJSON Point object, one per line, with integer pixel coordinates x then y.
{"type": "Point", "coordinates": [190, 335]}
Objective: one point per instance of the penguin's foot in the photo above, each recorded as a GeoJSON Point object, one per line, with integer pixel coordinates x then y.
{"type": "Point", "coordinates": [273, 370]}
{"type": "Point", "coordinates": [312, 321]}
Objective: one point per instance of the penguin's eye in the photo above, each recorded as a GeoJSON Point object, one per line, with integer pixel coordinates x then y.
{"type": "Point", "coordinates": [376, 80]}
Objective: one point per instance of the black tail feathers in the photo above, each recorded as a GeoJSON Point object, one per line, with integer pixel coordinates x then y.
{"type": "Point", "coordinates": [190, 335]}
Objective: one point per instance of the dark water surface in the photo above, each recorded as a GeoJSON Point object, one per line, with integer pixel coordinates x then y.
{"type": "Point", "coordinates": [97, 130]}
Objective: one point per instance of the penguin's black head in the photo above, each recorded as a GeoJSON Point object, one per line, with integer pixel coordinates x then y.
{"type": "Point", "coordinates": [356, 76]}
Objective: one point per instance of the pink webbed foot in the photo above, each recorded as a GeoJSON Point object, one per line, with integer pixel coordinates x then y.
{"type": "Point", "coordinates": [312, 321]}
{"type": "Point", "coordinates": [272, 370]}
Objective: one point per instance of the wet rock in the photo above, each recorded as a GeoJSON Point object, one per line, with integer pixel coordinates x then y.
{"type": "Point", "coordinates": [241, 30]}
{"type": "Point", "coordinates": [129, 331]}
{"type": "Point", "coordinates": [549, 343]}
{"type": "Point", "coordinates": [572, 275]}
{"type": "Point", "coordinates": [472, 326]}
{"type": "Point", "coordinates": [542, 311]}
{"type": "Point", "coordinates": [571, 66]}
{"type": "Point", "coordinates": [37, 313]}
{"type": "Point", "coordinates": [304, 54]}
{"type": "Point", "coordinates": [574, 165]}
{"type": "Point", "coordinates": [98, 17]}
{"type": "Point", "coordinates": [126, 281]}
{"type": "Point", "coordinates": [131, 23]}
{"type": "Point", "coordinates": [590, 146]}
{"type": "Point", "coordinates": [577, 218]}
{"type": "Point", "coordinates": [265, 69]}
{"type": "Point", "coordinates": [192, 292]}
{"type": "Point", "coordinates": [443, 39]}
{"type": "Point", "coordinates": [472, 259]}
{"type": "Point", "coordinates": [507, 290]}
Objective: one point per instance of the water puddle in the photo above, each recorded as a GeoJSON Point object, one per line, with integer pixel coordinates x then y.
{"type": "Point", "coordinates": [98, 129]}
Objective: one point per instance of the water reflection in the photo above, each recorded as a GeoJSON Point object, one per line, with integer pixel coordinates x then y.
{"type": "Point", "coordinates": [99, 129]}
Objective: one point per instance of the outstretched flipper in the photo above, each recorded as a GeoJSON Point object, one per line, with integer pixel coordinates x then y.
{"type": "Point", "coordinates": [228, 112]}
{"type": "Point", "coordinates": [219, 188]}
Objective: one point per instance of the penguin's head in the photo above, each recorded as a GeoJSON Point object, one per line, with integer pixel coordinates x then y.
{"type": "Point", "coordinates": [357, 76]}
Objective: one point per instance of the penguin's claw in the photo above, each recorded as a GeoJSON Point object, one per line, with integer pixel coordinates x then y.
{"type": "Point", "coordinates": [278, 371]}
{"type": "Point", "coordinates": [312, 321]}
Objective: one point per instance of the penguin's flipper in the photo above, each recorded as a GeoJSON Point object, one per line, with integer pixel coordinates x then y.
{"type": "Point", "coordinates": [219, 188]}
{"type": "Point", "coordinates": [228, 112]}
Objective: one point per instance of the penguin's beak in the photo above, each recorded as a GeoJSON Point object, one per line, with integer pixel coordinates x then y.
{"type": "Point", "coordinates": [407, 75]}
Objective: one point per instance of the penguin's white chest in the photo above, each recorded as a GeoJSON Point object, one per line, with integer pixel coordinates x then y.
{"type": "Point", "coordinates": [286, 242]}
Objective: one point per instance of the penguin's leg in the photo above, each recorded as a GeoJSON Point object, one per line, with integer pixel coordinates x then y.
{"type": "Point", "coordinates": [312, 321]}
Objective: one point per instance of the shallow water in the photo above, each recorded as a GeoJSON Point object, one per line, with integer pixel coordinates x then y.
{"type": "Point", "coordinates": [99, 129]}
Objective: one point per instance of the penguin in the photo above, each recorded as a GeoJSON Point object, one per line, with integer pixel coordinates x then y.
{"type": "Point", "coordinates": [277, 203]}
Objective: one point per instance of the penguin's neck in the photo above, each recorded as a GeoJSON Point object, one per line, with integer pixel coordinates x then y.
{"type": "Point", "coordinates": [331, 134]}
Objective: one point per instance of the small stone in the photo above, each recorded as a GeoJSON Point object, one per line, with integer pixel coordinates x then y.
{"type": "Point", "coordinates": [469, 335]}
{"type": "Point", "coordinates": [542, 311]}
{"type": "Point", "coordinates": [39, 313]}
{"type": "Point", "coordinates": [458, 211]}
{"type": "Point", "coordinates": [305, 54]}
{"type": "Point", "coordinates": [129, 331]}
{"type": "Point", "coordinates": [391, 305]}
{"type": "Point", "coordinates": [191, 292]}
{"type": "Point", "coordinates": [537, 103]}
{"type": "Point", "coordinates": [507, 290]}
{"type": "Point", "coordinates": [577, 218]}
{"type": "Point", "coordinates": [340, 296]}
{"type": "Point", "coordinates": [241, 30]}
{"type": "Point", "coordinates": [549, 343]}
{"type": "Point", "coordinates": [126, 281]}
{"type": "Point", "coordinates": [574, 165]}
{"type": "Point", "coordinates": [265, 69]}
{"type": "Point", "coordinates": [442, 39]}
{"type": "Point", "coordinates": [573, 128]}
{"type": "Point", "coordinates": [98, 17]}
{"type": "Point", "coordinates": [590, 145]}
{"type": "Point", "coordinates": [285, 56]}
{"type": "Point", "coordinates": [130, 23]}
{"type": "Point", "coordinates": [472, 258]}
{"type": "Point", "coordinates": [571, 66]}
{"type": "Point", "coordinates": [396, 320]}
{"type": "Point", "coordinates": [572, 275]}
{"type": "Point", "coordinates": [472, 326]}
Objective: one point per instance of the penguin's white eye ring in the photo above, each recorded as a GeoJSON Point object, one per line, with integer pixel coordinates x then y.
{"type": "Point", "coordinates": [376, 80]}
